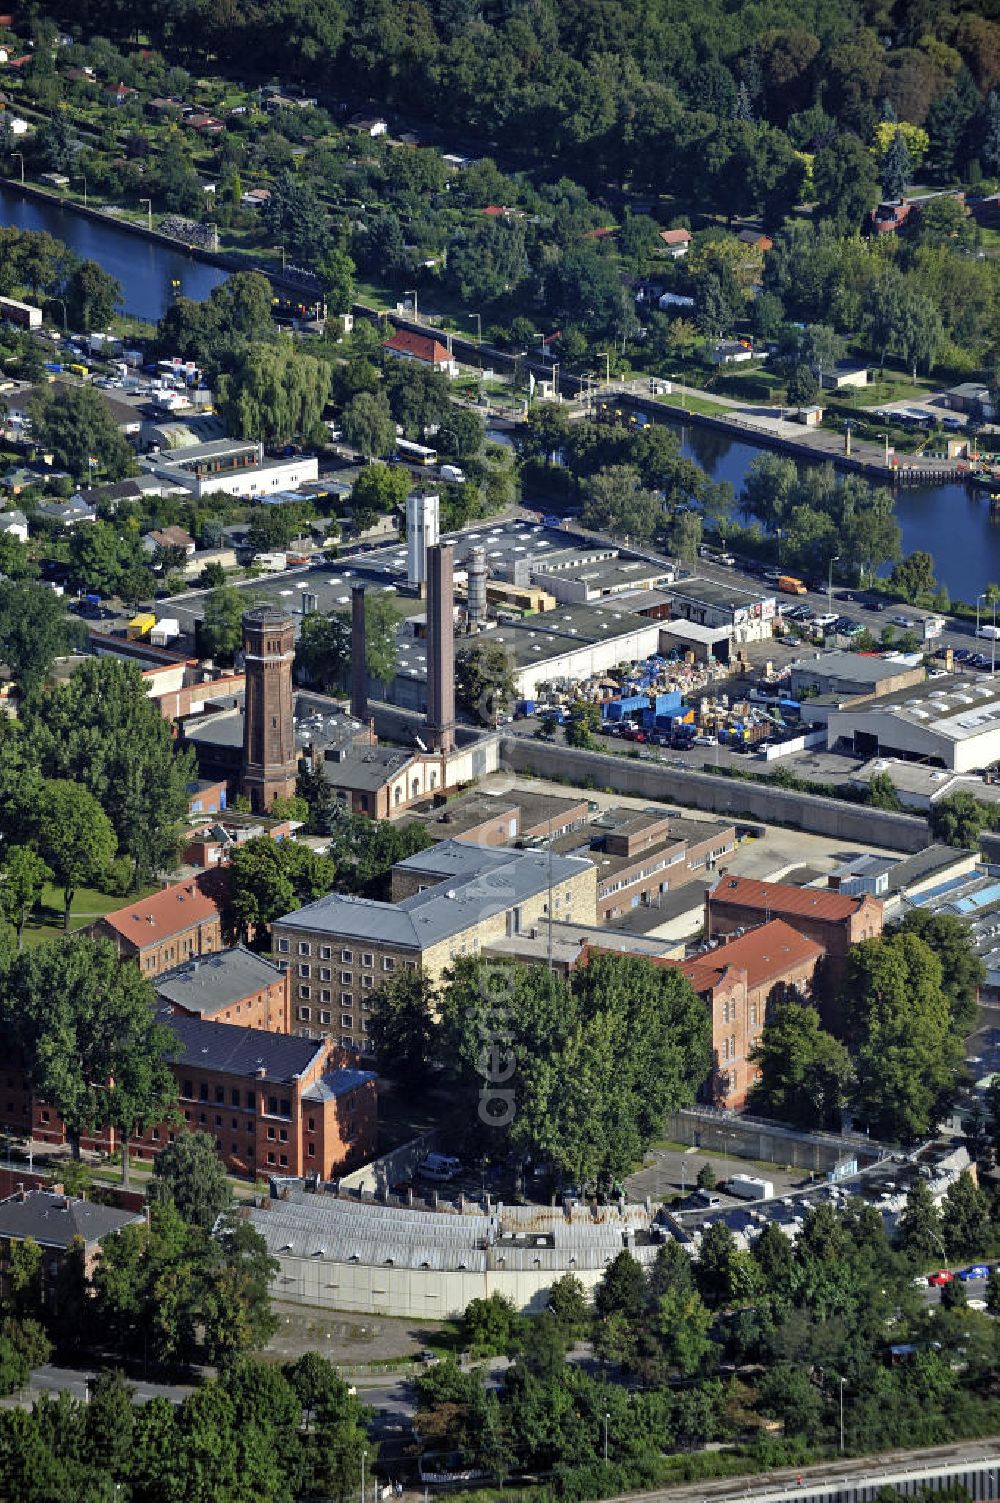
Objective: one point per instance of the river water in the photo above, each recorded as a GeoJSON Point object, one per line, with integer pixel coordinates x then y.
{"type": "Point", "coordinates": [145, 269]}
{"type": "Point", "coordinates": [951, 522]}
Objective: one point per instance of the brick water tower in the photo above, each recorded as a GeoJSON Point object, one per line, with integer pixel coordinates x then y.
{"type": "Point", "coordinates": [270, 761]}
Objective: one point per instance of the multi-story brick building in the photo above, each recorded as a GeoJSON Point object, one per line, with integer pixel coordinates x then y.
{"type": "Point", "coordinates": [170, 926]}
{"type": "Point", "coordinates": [233, 986]}
{"type": "Point", "coordinates": [55, 1222]}
{"type": "Point", "coordinates": [274, 1104]}
{"type": "Point", "coordinates": [832, 920]}
{"type": "Point", "coordinates": [448, 901]}
{"type": "Point", "coordinates": [741, 981]}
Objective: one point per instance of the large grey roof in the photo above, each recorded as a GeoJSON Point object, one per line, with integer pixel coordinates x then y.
{"type": "Point", "coordinates": [209, 983]}
{"type": "Point", "coordinates": [57, 1220]}
{"type": "Point", "coordinates": [473, 883]}
{"type": "Point", "coordinates": [242, 1051]}
{"type": "Point", "coordinates": [512, 1237]}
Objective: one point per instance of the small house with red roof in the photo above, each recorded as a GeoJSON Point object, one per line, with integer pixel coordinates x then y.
{"type": "Point", "coordinates": [173, 925]}
{"type": "Point", "coordinates": [424, 348]}
{"type": "Point", "coordinates": [118, 93]}
{"type": "Point", "coordinates": [676, 242]}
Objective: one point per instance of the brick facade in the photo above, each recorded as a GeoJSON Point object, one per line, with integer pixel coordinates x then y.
{"type": "Point", "coordinates": [171, 926]}
{"type": "Point", "coordinates": [270, 759]}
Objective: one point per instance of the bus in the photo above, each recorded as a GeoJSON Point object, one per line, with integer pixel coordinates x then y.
{"type": "Point", "coordinates": [415, 453]}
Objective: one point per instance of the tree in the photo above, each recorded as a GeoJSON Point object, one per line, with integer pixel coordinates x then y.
{"type": "Point", "coordinates": [323, 650]}
{"type": "Point", "coordinates": [914, 576]}
{"type": "Point", "coordinates": [75, 838]}
{"type": "Point", "coordinates": [845, 182]}
{"type": "Point", "coordinates": [102, 730]}
{"type": "Point", "coordinates": [962, 969]}
{"type": "Point", "coordinates": [23, 876]}
{"type": "Point", "coordinates": [336, 272]}
{"type": "Point", "coordinates": [56, 142]}
{"type": "Point", "coordinates": [882, 793]}
{"type": "Point", "coordinates": [381, 627]}
{"type": "Point", "coordinates": [379, 490]}
{"type": "Point", "coordinates": [92, 296]}
{"type": "Point", "coordinates": [957, 820]}
{"type": "Point", "coordinates": [401, 1030]}
{"type": "Point", "coordinates": [897, 1023]}
{"type": "Point", "coordinates": [598, 1059]}
{"type": "Point", "coordinates": [489, 1326]}
{"type": "Point", "coordinates": [707, 1178]}
{"type": "Point", "coordinates": [965, 1217]}
{"type": "Point", "coordinates": [368, 424]}
{"type": "Point", "coordinates": [804, 1071]}
{"type": "Point", "coordinates": [364, 851]}
{"type": "Point", "coordinates": [275, 393]}
{"type": "Point", "coordinates": [568, 1304]}
{"type": "Point", "coordinates": [484, 680]}
{"type": "Point", "coordinates": [220, 630]}
{"type": "Point", "coordinates": [190, 1174]}
{"type": "Point", "coordinates": [681, 1326]}
{"type": "Point", "coordinates": [622, 1291]}
{"type": "Point", "coordinates": [896, 166]}
{"type": "Point", "coordinates": [583, 721]}
{"type": "Point", "coordinates": [33, 631]}
{"type": "Point", "coordinates": [270, 878]}
{"type": "Point", "coordinates": [768, 489]}
{"type": "Point", "coordinates": [618, 503]}
{"type": "Point", "coordinates": [87, 1029]}
{"type": "Point", "coordinates": [919, 1229]}
{"type": "Point", "coordinates": [76, 425]}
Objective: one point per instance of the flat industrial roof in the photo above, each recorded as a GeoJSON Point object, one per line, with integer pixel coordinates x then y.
{"type": "Point", "coordinates": [957, 707]}
{"type": "Point", "coordinates": [860, 667]}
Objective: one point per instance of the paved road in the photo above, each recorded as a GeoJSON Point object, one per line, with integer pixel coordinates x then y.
{"type": "Point", "coordinates": [53, 1380]}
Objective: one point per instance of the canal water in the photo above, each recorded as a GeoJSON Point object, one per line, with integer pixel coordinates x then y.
{"type": "Point", "coordinates": [145, 268]}
{"type": "Point", "coordinates": [951, 522]}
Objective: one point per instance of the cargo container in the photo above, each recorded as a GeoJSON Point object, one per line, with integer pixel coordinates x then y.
{"type": "Point", "coordinates": [749, 1187]}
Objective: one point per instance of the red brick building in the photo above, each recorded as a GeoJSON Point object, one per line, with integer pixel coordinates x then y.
{"type": "Point", "coordinates": [830, 919]}
{"type": "Point", "coordinates": [273, 1103]}
{"type": "Point", "coordinates": [169, 927]}
{"type": "Point", "coordinates": [740, 982]}
{"type": "Point", "coordinates": [233, 986]}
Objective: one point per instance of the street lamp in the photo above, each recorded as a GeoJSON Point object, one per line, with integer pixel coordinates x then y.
{"type": "Point", "coordinates": [149, 211]}
{"type": "Point", "coordinates": [479, 326]}
{"type": "Point", "coordinates": [364, 1458]}
{"type": "Point", "coordinates": [978, 598]}
{"type": "Point", "coordinates": [555, 378]}
{"type": "Point", "coordinates": [62, 304]}
{"type": "Point", "coordinates": [412, 292]}
{"type": "Point", "coordinates": [842, 1382]}
{"type": "Point", "coordinates": [281, 250]}
{"type": "Point", "coordinates": [607, 366]}
{"type": "Point", "coordinates": [607, 1419]}
{"type": "Point", "coordinates": [20, 154]}
{"type": "Point", "coordinates": [84, 181]}
{"type": "Point", "coordinates": [829, 582]}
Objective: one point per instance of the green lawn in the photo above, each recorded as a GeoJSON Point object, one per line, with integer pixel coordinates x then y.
{"type": "Point", "coordinates": [88, 904]}
{"type": "Point", "coordinates": [695, 404]}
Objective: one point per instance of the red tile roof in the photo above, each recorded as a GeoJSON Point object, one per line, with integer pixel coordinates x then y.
{"type": "Point", "coordinates": [418, 347]}
{"type": "Point", "coordinates": [784, 898]}
{"type": "Point", "coordinates": [766, 954]}
{"type": "Point", "coordinates": [675, 237]}
{"type": "Point", "coordinates": [172, 910]}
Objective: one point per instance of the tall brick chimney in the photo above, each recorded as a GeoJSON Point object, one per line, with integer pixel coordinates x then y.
{"type": "Point", "coordinates": [359, 673]}
{"type": "Point", "coordinates": [270, 761]}
{"type": "Point", "coordinates": [441, 647]}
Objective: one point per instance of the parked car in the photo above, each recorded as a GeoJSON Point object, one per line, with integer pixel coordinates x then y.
{"type": "Point", "coordinates": [977, 1271]}
{"type": "Point", "coordinates": [920, 1282]}
{"type": "Point", "coordinates": [939, 1279]}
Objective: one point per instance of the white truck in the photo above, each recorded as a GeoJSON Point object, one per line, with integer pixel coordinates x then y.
{"type": "Point", "coordinates": [749, 1187]}
{"type": "Point", "coordinates": [453, 473]}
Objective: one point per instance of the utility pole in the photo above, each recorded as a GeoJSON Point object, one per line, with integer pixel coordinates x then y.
{"type": "Point", "coordinates": [829, 582]}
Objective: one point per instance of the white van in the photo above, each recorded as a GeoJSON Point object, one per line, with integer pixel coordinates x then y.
{"type": "Point", "coordinates": [439, 1166]}
{"type": "Point", "coordinates": [453, 473]}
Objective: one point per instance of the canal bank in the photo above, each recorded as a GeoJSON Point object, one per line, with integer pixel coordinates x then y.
{"type": "Point", "coordinates": [151, 266]}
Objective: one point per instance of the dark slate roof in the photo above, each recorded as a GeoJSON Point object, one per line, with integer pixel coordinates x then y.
{"type": "Point", "coordinates": [337, 1083]}
{"type": "Point", "coordinates": [208, 983]}
{"type": "Point", "coordinates": [54, 1220]}
{"type": "Point", "coordinates": [242, 1051]}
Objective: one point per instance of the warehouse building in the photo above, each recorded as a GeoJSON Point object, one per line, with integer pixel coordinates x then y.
{"type": "Point", "coordinates": [853, 673]}
{"type": "Point", "coordinates": [952, 722]}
